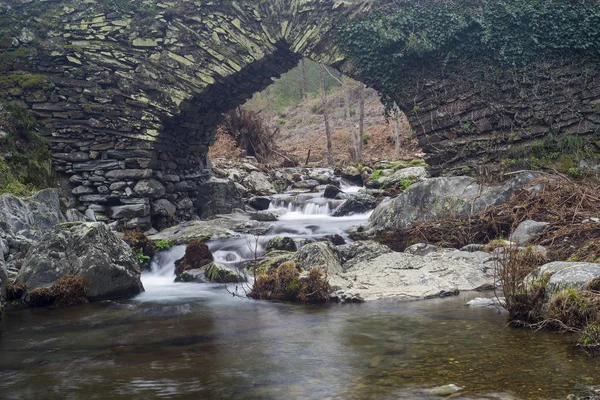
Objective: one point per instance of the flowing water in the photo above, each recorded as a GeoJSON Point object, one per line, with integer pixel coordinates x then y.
{"type": "Point", "coordinates": [197, 341]}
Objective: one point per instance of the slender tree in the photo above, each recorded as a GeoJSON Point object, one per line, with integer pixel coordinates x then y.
{"type": "Point", "coordinates": [397, 128]}
{"type": "Point", "coordinates": [304, 79]}
{"type": "Point", "coordinates": [325, 113]}
{"type": "Point", "coordinates": [361, 120]}
{"type": "Point", "coordinates": [353, 139]}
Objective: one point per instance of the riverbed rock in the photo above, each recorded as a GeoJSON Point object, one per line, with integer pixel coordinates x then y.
{"type": "Point", "coordinates": [357, 204]}
{"type": "Point", "coordinates": [441, 197]}
{"type": "Point", "coordinates": [87, 249]}
{"type": "Point", "coordinates": [306, 184]}
{"type": "Point", "coordinates": [283, 243]}
{"type": "Point", "coordinates": [259, 183]}
{"type": "Point", "coordinates": [565, 275]}
{"type": "Point", "coordinates": [218, 273]}
{"type": "Point", "coordinates": [218, 196]}
{"type": "Point", "coordinates": [413, 174]}
{"type": "Point", "coordinates": [527, 232]}
{"type": "Point", "coordinates": [211, 273]}
{"type": "Point", "coordinates": [331, 192]}
{"type": "Point", "coordinates": [322, 255]}
{"type": "Point", "coordinates": [361, 251]}
{"type": "Point", "coordinates": [259, 203]}
{"type": "Point", "coordinates": [421, 249]}
{"type": "Point", "coordinates": [410, 277]}
{"type": "Point", "coordinates": [263, 216]}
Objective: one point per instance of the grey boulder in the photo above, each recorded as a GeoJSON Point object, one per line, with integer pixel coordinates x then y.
{"type": "Point", "coordinates": [322, 255]}
{"type": "Point", "coordinates": [527, 232]}
{"type": "Point", "coordinates": [565, 275]}
{"type": "Point", "coordinates": [28, 217]}
{"type": "Point", "coordinates": [410, 277]}
{"type": "Point", "coordinates": [87, 249]}
{"type": "Point", "coordinates": [357, 204]}
{"type": "Point", "coordinates": [441, 197]}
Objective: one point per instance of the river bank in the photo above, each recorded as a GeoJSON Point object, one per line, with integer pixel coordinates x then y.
{"type": "Point", "coordinates": [391, 348]}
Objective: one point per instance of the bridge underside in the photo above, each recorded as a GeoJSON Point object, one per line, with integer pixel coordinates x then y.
{"type": "Point", "coordinates": [130, 99]}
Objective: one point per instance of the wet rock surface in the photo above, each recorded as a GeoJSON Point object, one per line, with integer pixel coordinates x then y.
{"type": "Point", "coordinates": [89, 250]}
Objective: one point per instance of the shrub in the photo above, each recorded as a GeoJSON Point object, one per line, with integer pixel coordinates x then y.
{"type": "Point", "coordinates": [285, 283]}
{"type": "Point", "coordinates": [524, 298]}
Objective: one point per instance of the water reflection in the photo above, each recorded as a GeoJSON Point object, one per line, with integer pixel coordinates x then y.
{"type": "Point", "coordinates": [214, 346]}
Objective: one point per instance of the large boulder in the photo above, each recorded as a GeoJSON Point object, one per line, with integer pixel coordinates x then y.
{"type": "Point", "coordinates": [87, 249]}
{"type": "Point", "coordinates": [567, 275]}
{"type": "Point", "coordinates": [357, 204]}
{"type": "Point", "coordinates": [442, 197]}
{"type": "Point", "coordinates": [322, 255]}
{"type": "Point", "coordinates": [411, 277]}
{"type": "Point", "coordinates": [259, 183]}
{"type": "Point", "coordinates": [29, 216]}
{"type": "Point", "coordinates": [527, 231]}
{"type": "Point", "coordinates": [218, 196]}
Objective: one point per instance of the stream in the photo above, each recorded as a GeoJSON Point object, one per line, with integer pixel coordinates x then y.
{"type": "Point", "coordinates": [190, 340]}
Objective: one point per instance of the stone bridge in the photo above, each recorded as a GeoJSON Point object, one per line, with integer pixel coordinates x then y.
{"type": "Point", "coordinates": [129, 93]}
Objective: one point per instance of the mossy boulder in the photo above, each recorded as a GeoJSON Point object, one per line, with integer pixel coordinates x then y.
{"type": "Point", "coordinates": [281, 243]}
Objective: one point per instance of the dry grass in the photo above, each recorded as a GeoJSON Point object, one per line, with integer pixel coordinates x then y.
{"type": "Point", "coordinates": [285, 283]}
{"type": "Point", "coordinates": [524, 299]}
{"type": "Point", "coordinates": [41, 297]}
{"type": "Point", "coordinates": [14, 292]}
{"type": "Point", "coordinates": [69, 290]}
{"type": "Point", "coordinates": [567, 206]}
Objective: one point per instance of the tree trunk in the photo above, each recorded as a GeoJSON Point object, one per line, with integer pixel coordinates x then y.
{"type": "Point", "coordinates": [325, 113]}
{"type": "Point", "coordinates": [397, 128]}
{"type": "Point", "coordinates": [353, 139]}
{"type": "Point", "coordinates": [361, 121]}
{"type": "Point", "coordinates": [304, 79]}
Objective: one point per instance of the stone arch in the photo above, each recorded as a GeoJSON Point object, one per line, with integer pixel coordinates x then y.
{"type": "Point", "coordinates": [131, 98]}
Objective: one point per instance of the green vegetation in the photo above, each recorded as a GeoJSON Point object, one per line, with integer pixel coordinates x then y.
{"type": "Point", "coordinates": [289, 89]}
{"type": "Point", "coordinates": [389, 41]}
{"type": "Point", "coordinates": [142, 247]}
{"type": "Point", "coordinates": [25, 162]}
{"type": "Point", "coordinates": [162, 245]}
{"type": "Point", "coordinates": [555, 151]}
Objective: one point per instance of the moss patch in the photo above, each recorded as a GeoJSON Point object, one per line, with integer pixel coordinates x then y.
{"type": "Point", "coordinates": [25, 161]}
